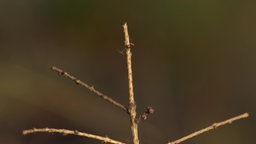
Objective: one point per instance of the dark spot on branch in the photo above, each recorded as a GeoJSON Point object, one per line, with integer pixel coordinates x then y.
{"type": "Point", "coordinates": [76, 132]}
{"type": "Point", "coordinates": [150, 110]}
{"type": "Point", "coordinates": [77, 81]}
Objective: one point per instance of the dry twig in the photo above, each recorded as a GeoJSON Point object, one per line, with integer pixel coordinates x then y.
{"type": "Point", "coordinates": [132, 105]}
{"type": "Point", "coordinates": [211, 127]}
{"type": "Point", "coordinates": [131, 110]}
{"type": "Point", "coordinates": [91, 88]}
{"type": "Point", "coordinates": [71, 132]}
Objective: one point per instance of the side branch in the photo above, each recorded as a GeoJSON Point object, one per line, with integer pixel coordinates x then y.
{"type": "Point", "coordinates": [132, 104]}
{"type": "Point", "coordinates": [91, 88]}
{"type": "Point", "coordinates": [211, 127]}
{"type": "Point", "coordinates": [71, 132]}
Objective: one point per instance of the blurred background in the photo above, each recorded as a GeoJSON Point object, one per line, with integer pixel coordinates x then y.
{"type": "Point", "coordinates": [193, 62]}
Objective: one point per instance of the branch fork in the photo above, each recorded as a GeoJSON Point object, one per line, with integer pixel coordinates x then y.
{"type": "Point", "coordinates": [131, 109]}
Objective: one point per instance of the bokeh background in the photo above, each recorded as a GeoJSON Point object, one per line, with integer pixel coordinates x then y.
{"type": "Point", "coordinates": [193, 62]}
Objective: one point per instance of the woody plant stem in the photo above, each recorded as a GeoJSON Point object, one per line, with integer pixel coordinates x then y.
{"type": "Point", "coordinates": [132, 105]}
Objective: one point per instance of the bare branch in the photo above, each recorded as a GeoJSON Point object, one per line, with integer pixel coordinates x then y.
{"type": "Point", "coordinates": [132, 104]}
{"type": "Point", "coordinates": [91, 88]}
{"type": "Point", "coordinates": [211, 127]}
{"type": "Point", "coordinates": [71, 132]}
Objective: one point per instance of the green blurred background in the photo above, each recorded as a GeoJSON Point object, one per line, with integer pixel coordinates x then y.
{"type": "Point", "coordinates": [193, 62]}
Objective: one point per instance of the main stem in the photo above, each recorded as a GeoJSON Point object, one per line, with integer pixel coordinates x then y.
{"type": "Point", "coordinates": [132, 105]}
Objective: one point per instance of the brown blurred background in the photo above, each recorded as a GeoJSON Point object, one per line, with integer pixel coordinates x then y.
{"type": "Point", "coordinates": [194, 62]}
